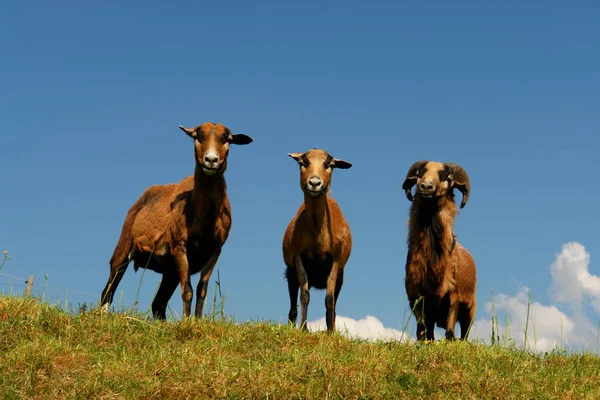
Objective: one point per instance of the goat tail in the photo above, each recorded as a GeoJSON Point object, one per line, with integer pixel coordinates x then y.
{"type": "Point", "coordinates": [123, 250]}
{"type": "Point", "coordinates": [122, 254]}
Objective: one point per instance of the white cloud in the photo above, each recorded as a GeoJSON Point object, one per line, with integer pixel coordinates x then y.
{"type": "Point", "coordinates": [571, 279]}
{"type": "Point", "coordinates": [369, 328]}
{"type": "Point", "coordinates": [549, 327]}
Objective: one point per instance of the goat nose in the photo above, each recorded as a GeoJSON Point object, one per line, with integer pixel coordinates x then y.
{"type": "Point", "coordinates": [426, 186]}
{"type": "Point", "coordinates": [211, 158]}
{"type": "Point", "coordinates": [314, 181]}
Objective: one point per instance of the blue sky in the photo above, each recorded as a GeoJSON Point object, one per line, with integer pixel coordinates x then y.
{"type": "Point", "coordinates": [92, 94]}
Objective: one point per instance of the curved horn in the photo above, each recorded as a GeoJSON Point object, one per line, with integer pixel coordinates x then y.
{"type": "Point", "coordinates": [460, 181]}
{"type": "Point", "coordinates": [411, 178]}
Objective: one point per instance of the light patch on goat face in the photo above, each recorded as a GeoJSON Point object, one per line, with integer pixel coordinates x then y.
{"type": "Point", "coordinates": [433, 180]}
{"type": "Point", "coordinates": [212, 147]}
{"type": "Point", "coordinates": [315, 172]}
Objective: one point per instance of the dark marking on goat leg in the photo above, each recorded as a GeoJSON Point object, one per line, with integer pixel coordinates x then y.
{"type": "Point", "coordinates": [304, 292]}
{"type": "Point", "coordinates": [168, 284]}
{"type": "Point", "coordinates": [330, 297]}
{"type": "Point", "coordinates": [202, 288]}
{"type": "Point", "coordinates": [293, 288]}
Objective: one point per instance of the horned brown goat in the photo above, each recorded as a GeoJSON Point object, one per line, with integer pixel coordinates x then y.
{"type": "Point", "coordinates": [440, 273]}
{"type": "Point", "coordinates": [179, 229]}
{"type": "Point", "coordinates": [317, 242]}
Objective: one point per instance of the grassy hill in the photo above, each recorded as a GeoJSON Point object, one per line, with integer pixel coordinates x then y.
{"type": "Point", "coordinates": [47, 353]}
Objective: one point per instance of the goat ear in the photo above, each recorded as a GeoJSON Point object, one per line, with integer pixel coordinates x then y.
{"type": "Point", "coordinates": [191, 132]}
{"type": "Point", "coordinates": [341, 164]}
{"type": "Point", "coordinates": [240, 139]}
{"type": "Point", "coordinates": [295, 156]}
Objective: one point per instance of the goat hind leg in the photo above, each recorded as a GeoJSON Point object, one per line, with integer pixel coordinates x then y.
{"type": "Point", "coordinates": [466, 315]}
{"type": "Point", "coordinates": [452, 316]}
{"type": "Point", "coordinates": [338, 288]}
{"type": "Point", "coordinates": [331, 297]}
{"type": "Point", "coordinates": [117, 270]}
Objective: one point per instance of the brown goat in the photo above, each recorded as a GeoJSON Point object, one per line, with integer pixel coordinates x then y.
{"type": "Point", "coordinates": [179, 229]}
{"type": "Point", "coordinates": [317, 242]}
{"type": "Point", "coordinates": [440, 273]}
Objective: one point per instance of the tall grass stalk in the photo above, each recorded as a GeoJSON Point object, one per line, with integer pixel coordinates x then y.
{"type": "Point", "coordinates": [527, 320]}
{"type": "Point", "coordinates": [137, 294]}
{"type": "Point", "coordinates": [218, 308]}
{"type": "Point", "coordinates": [598, 340]}
{"type": "Point", "coordinates": [47, 286]}
{"type": "Point", "coordinates": [493, 317]}
{"type": "Point", "coordinates": [506, 338]}
{"type": "Point", "coordinates": [5, 259]}
{"type": "Point", "coordinates": [419, 300]}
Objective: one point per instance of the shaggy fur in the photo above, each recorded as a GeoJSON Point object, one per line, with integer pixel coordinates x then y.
{"type": "Point", "coordinates": [317, 242]}
{"type": "Point", "coordinates": [179, 229]}
{"type": "Point", "coordinates": [440, 273]}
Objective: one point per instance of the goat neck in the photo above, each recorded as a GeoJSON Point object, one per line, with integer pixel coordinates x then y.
{"type": "Point", "coordinates": [317, 211]}
{"type": "Point", "coordinates": [208, 188]}
{"type": "Point", "coordinates": [436, 220]}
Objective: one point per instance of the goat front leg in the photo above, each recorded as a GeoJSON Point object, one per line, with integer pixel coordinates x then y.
{"type": "Point", "coordinates": [304, 292]}
{"type": "Point", "coordinates": [293, 288]}
{"type": "Point", "coordinates": [202, 288]}
{"type": "Point", "coordinates": [418, 307]}
{"type": "Point", "coordinates": [183, 269]}
{"type": "Point", "coordinates": [331, 296]}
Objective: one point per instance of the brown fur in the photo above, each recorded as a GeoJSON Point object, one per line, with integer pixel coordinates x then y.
{"type": "Point", "coordinates": [440, 273]}
{"type": "Point", "coordinates": [317, 242]}
{"type": "Point", "coordinates": [179, 229]}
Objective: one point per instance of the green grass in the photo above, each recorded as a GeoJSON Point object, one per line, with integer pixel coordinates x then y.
{"type": "Point", "coordinates": [47, 353]}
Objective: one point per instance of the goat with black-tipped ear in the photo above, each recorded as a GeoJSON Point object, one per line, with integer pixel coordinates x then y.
{"type": "Point", "coordinates": [179, 229]}
{"type": "Point", "coordinates": [440, 273]}
{"type": "Point", "coordinates": [317, 242]}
